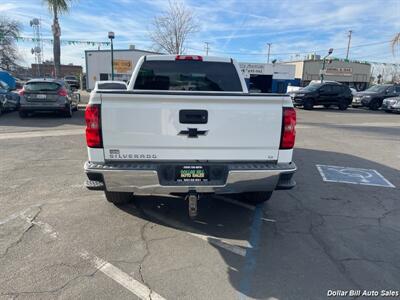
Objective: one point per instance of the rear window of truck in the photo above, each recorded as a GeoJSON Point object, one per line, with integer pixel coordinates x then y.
{"type": "Point", "coordinates": [188, 76]}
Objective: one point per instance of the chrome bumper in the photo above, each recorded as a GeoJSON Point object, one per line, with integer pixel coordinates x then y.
{"type": "Point", "coordinates": [143, 178]}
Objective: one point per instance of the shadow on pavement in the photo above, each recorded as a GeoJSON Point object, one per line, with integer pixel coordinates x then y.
{"type": "Point", "coordinates": [317, 237]}
{"type": "Point", "coordinates": [42, 119]}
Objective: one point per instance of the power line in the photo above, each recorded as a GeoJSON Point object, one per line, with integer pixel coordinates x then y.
{"type": "Point", "coordinates": [293, 53]}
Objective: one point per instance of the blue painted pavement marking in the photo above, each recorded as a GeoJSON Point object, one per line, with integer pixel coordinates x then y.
{"type": "Point", "coordinates": [251, 253]}
{"type": "Point", "coordinates": [353, 175]}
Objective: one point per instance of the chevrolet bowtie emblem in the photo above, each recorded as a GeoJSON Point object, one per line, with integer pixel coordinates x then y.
{"type": "Point", "coordinates": [193, 132]}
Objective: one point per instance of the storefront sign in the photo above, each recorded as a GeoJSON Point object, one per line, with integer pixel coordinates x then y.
{"type": "Point", "coordinates": [122, 66]}
{"type": "Point", "coordinates": [339, 71]}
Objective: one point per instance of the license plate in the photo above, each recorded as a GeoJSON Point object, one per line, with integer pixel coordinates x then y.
{"type": "Point", "coordinates": [40, 96]}
{"type": "Point", "coordinates": [191, 173]}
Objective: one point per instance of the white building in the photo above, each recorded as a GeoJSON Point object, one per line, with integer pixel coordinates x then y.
{"type": "Point", "coordinates": [268, 78]}
{"type": "Point", "coordinates": [98, 64]}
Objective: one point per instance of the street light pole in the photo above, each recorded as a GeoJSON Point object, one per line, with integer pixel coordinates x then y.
{"type": "Point", "coordinates": [111, 36]}
{"type": "Point", "coordinates": [348, 44]}
{"type": "Point", "coordinates": [323, 64]}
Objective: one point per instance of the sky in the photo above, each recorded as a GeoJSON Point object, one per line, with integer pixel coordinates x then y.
{"type": "Point", "coordinates": [233, 28]}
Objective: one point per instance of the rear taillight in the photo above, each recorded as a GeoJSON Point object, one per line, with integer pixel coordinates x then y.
{"type": "Point", "coordinates": [189, 57]}
{"type": "Point", "coordinates": [93, 126]}
{"type": "Point", "coordinates": [21, 92]}
{"type": "Point", "coordinates": [62, 92]}
{"type": "Point", "coordinates": [288, 134]}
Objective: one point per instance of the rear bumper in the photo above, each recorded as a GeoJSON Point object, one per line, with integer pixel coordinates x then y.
{"type": "Point", "coordinates": [147, 178]}
{"type": "Point", "coordinates": [43, 107]}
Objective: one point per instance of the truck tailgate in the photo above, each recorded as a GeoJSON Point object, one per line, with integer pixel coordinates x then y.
{"type": "Point", "coordinates": [140, 126]}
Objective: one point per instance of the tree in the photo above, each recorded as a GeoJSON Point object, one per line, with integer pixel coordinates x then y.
{"type": "Point", "coordinates": [171, 29]}
{"type": "Point", "coordinates": [57, 7]}
{"type": "Point", "coordinates": [395, 41]}
{"type": "Point", "coordinates": [9, 32]}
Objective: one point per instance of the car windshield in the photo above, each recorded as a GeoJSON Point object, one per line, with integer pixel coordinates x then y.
{"type": "Point", "coordinates": [41, 86]}
{"type": "Point", "coordinates": [188, 75]}
{"type": "Point", "coordinates": [377, 88]}
{"type": "Point", "coordinates": [311, 87]}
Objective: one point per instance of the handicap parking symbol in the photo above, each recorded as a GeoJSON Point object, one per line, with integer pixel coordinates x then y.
{"type": "Point", "coordinates": [353, 175]}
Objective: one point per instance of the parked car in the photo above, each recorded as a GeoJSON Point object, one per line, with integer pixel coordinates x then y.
{"type": "Point", "coordinates": [73, 81]}
{"type": "Point", "coordinates": [47, 95]}
{"type": "Point", "coordinates": [374, 96]}
{"type": "Point", "coordinates": [8, 99]}
{"type": "Point", "coordinates": [188, 125]}
{"type": "Point", "coordinates": [110, 85]}
{"type": "Point", "coordinates": [391, 104]}
{"type": "Point", "coordinates": [326, 94]}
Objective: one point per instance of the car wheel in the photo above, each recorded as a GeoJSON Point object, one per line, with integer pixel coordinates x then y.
{"type": "Point", "coordinates": [374, 105]}
{"type": "Point", "coordinates": [308, 104]}
{"type": "Point", "coordinates": [118, 198]}
{"type": "Point", "coordinates": [68, 113]}
{"type": "Point", "coordinates": [23, 114]}
{"type": "Point", "coordinates": [1, 109]}
{"type": "Point", "coordinates": [256, 197]}
{"type": "Point", "coordinates": [343, 104]}
{"type": "Point", "coordinates": [327, 105]}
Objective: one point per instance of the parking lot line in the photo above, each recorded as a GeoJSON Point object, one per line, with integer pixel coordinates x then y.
{"type": "Point", "coordinates": [40, 133]}
{"type": "Point", "coordinates": [239, 250]}
{"type": "Point", "coordinates": [136, 287]}
{"type": "Point", "coordinates": [131, 284]}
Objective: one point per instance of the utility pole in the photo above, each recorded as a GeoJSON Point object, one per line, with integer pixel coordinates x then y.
{"type": "Point", "coordinates": [207, 47]}
{"type": "Point", "coordinates": [269, 51]}
{"type": "Point", "coordinates": [348, 44]}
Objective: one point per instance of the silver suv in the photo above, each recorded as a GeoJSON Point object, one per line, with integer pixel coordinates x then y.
{"type": "Point", "coordinates": [47, 95]}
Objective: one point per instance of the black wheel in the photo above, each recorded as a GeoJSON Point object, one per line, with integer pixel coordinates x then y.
{"type": "Point", "coordinates": [23, 114]}
{"type": "Point", "coordinates": [1, 109]}
{"type": "Point", "coordinates": [118, 198]}
{"type": "Point", "coordinates": [257, 197]}
{"type": "Point", "coordinates": [354, 106]}
{"type": "Point", "coordinates": [327, 105]}
{"type": "Point", "coordinates": [68, 113]}
{"type": "Point", "coordinates": [308, 104]}
{"type": "Point", "coordinates": [374, 105]}
{"type": "Point", "coordinates": [343, 104]}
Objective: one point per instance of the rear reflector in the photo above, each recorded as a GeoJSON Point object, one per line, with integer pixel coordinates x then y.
{"type": "Point", "coordinates": [189, 57]}
{"type": "Point", "coordinates": [288, 134]}
{"type": "Point", "coordinates": [93, 126]}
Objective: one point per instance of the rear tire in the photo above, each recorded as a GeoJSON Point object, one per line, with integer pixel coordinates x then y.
{"type": "Point", "coordinates": [342, 104]}
{"type": "Point", "coordinates": [308, 104]}
{"type": "Point", "coordinates": [257, 197]}
{"type": "Point", "coordinates": [68, 113]}
{"type": "Point", "coordinates": [118, 198]}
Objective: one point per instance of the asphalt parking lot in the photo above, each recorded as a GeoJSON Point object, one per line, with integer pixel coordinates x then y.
{"type": "Point", "coordinates": [58, 239]}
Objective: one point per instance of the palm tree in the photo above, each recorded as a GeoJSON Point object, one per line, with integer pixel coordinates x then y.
{"type": "Point", "coordinates": [395, 41]}
{"type": "Point", "coordinates": [57, 7]}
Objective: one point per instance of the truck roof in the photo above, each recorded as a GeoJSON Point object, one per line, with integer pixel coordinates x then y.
{"type": "Point", "coordinates": [188, 57]}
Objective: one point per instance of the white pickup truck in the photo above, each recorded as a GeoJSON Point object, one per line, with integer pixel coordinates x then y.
{"type": "Point", "coordinates": [187, 125]}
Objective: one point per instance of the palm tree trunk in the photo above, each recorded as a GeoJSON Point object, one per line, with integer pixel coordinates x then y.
{"type": "Point", "coordinates": [56, 44]}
